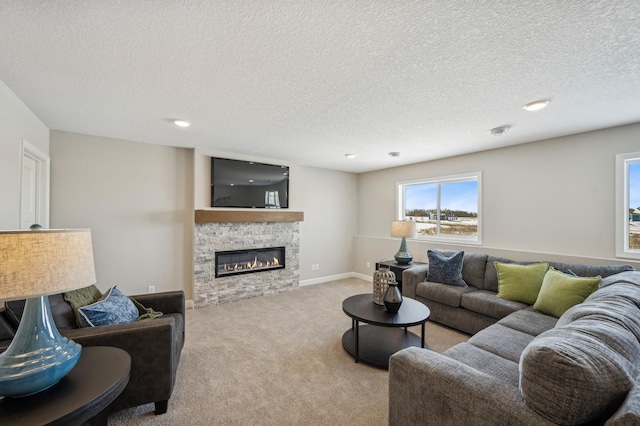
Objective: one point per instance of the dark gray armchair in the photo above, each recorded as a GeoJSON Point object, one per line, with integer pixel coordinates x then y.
{"type": "Point", "coordinates": [154, 345]}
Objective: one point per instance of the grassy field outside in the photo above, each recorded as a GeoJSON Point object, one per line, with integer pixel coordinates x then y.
{"type": "Point", "coordinates": [634, 235]}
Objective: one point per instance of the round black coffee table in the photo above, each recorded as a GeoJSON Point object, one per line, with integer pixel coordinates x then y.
{"type": "Point", "coordinates": [84, 394]}
{"type": "Point", "coordinates": [386, 333]}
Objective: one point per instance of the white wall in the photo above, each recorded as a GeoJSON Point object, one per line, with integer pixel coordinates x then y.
{"type": "Point", "coordinates": [328, 200]}
{"type": "Point", "coordinates": [17, 122]}
{"type": "Point", "coordinates": [137, 199]}
{"type": "Point", "coordinates": [553, 199]}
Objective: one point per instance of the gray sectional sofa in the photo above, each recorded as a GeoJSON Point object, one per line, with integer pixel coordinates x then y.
{"type": "Point", "coordinates": [522, 367]}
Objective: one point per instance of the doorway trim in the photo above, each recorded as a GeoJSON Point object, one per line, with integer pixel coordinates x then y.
{"type": "Point", "coordinates": [43, 165]}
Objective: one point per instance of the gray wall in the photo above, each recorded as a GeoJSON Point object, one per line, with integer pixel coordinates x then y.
{"type": "Point", "coordinates": [549, 199]}
{"type": "Point", "coordinates": [17, 122]}
{"type": "Point", "coordinates": [136, 198]}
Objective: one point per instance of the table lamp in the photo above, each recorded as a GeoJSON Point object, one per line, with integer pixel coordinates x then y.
{"type": "Point", "coordinates": [405, 229]}
{"type": "Point", "coordinates": [34, 264]}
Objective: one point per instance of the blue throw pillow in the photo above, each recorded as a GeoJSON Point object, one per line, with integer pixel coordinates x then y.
{"type": "Point", "coordinates": [112, 308]}
{"type": "Point", "coordinates": [446, 270]}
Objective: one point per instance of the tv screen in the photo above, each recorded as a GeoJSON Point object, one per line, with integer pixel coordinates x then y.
{"type": "Point", "coordinates": [247, 184]}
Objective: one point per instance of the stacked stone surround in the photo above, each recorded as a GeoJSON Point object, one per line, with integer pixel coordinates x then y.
{"type": "Point", "coordinates": [211, 237]}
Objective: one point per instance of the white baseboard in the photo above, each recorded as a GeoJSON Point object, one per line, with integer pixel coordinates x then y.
{"type": "Point", "coordinates": [188, 304]}
{"type": "Point", "coordinates": [362, 276]}
{"type": "Point", "coordinates": [334, 278]}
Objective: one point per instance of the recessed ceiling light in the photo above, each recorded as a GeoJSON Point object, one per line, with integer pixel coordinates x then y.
{"type": "Point", "coordinates": [536, 105]}
{"type": "Point", "coordinates": [350, 156]}
{"type": "Point", "coordinates": [394, 154]}
{"type": "Point", "coordinates": [497, 131]}
{"type": "Point", "coordinates": [182, 123]}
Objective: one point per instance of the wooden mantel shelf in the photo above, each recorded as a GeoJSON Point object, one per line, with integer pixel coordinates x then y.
{"type": "Point", "coordinates": [235, 216]}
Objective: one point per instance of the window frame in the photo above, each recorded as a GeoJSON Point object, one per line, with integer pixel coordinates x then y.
{"type": "Point", "coordinates": [442, 238]}
{"type": "Point", "coordinates": [623, 205]}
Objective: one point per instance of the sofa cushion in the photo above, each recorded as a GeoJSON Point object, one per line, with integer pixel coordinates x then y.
{"type": "Point", "coordinates": [486, 303]}
{"type": "Point", "coordinates": [487, 362]}
{"type": "Point", "coordinates": [446, 270]}
{"type": "Point", "coordinates": [561, 291]}
{"type": "Point", "coordinates": [473, 266]}
{"type": "Point", "coordinates": [442, 293]}
{"type": "Point", "coordinates": [591, 270]}
{"type": "Point", "coordinates": [616, 304]}
{"type": "Point", "coordinates": [529, 321]}
{"type": "Point", "coordinates": [572, 374]}
{"type": "Point", "coordinates": [502, 341]}
{"type": "Point", "coordinates": [112, 308]}
{"type": "Point", "coordinates": [520, 283]}
{"type": "Point", "coordinates": [629, 412]}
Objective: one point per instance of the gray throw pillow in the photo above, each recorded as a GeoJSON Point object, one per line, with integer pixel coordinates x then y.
{"type": "Point", "coordinates": [446, 270]}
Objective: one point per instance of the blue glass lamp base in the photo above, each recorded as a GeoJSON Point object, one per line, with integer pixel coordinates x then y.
{"type": "Point", "coordinates": [38, 356]}
{"type": "Point", "coordinates": [403, 256]}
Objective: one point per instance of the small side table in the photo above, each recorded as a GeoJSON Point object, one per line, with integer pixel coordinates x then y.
{"type": "Point", "coordinates": [84, 394]}
{"type": "Point", "coordinates": [397, 268]}
{"type": "Point", "coordinates": [383, 336]}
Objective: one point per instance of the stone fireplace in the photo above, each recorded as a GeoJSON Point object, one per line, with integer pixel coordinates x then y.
{"type": "Point", "coordinates": [254, 235]}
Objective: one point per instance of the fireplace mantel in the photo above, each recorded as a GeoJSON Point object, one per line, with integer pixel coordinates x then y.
{"type": "Point", "coordinates": [249, 216]}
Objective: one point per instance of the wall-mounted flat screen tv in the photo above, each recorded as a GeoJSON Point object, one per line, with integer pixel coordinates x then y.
{"type": "Point", "coordinates": [247, 184]}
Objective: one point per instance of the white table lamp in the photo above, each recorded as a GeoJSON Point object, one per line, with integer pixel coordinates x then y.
{"type": "Point", "coordinates": [34, 264]}
{"type": "Point", "coordinates": [405, 229]}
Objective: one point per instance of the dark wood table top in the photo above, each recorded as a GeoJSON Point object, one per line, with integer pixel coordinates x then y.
{"type": "Point", "coordinates": [100, 375]}
{"type": "Point", "coordinates": [361, 307]}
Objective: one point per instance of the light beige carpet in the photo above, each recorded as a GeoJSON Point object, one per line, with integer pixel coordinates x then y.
{"type": "Point", "coordinates": [277, 360]}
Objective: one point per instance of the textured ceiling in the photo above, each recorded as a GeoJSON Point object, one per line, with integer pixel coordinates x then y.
{"type": "Point", "coordinates": [310, 81]}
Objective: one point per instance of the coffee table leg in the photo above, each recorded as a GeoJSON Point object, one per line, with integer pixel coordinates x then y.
{"type": "Point", "coordinates": [422, 335]}
{"type": "Point", "coordinates": [357, 357]}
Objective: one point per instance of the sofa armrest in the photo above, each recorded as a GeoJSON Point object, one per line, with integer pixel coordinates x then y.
{"type": "Point", "coordinates": [411, 277]}
{"type": "Point", "coordinates": [427, 388]}
{"type": "Point", "coordinates": [168, 302]}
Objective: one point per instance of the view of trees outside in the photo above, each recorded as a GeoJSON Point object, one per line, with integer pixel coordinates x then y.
{"type": "Point", "coordinates": [634, 200]}
{"type": "Point", "coordinates": [458, 208]}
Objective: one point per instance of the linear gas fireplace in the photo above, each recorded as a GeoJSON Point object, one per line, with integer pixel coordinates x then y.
{"type": "Point", "coordinates": [233, 262]}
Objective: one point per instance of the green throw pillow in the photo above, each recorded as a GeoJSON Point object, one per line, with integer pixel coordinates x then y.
{"type": "Point", "coordinates": [520, 283]}
{"type": "Point", "coordinates": [561, 291]}
{"type": "Point", "coordinates": [82, 297]}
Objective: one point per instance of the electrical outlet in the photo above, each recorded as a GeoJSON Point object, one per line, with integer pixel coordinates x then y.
{"type": "Point", "coordinates": [317, 266]}
{"type": "Point", "coordinates": [313, 266]}
{"type": "Point", "coordinates": [368, 264]}
{"type": "Point", "coordinates": [151, 289]}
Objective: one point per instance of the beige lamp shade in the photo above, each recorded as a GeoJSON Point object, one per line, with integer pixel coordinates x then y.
{"type": "Point", "coordinates": [403, 228]}
{"type": "Point", "coordinates": [42, 262]}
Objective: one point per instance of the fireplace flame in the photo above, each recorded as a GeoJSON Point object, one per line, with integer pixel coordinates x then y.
{"type": "Point", "coordinates": [251, 265]}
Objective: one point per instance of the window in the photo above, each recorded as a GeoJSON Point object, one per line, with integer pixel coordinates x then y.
{"type": "Point", "coordinates": [444, 208]}
{"type": "Point", "coordinates": [628, 205]}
